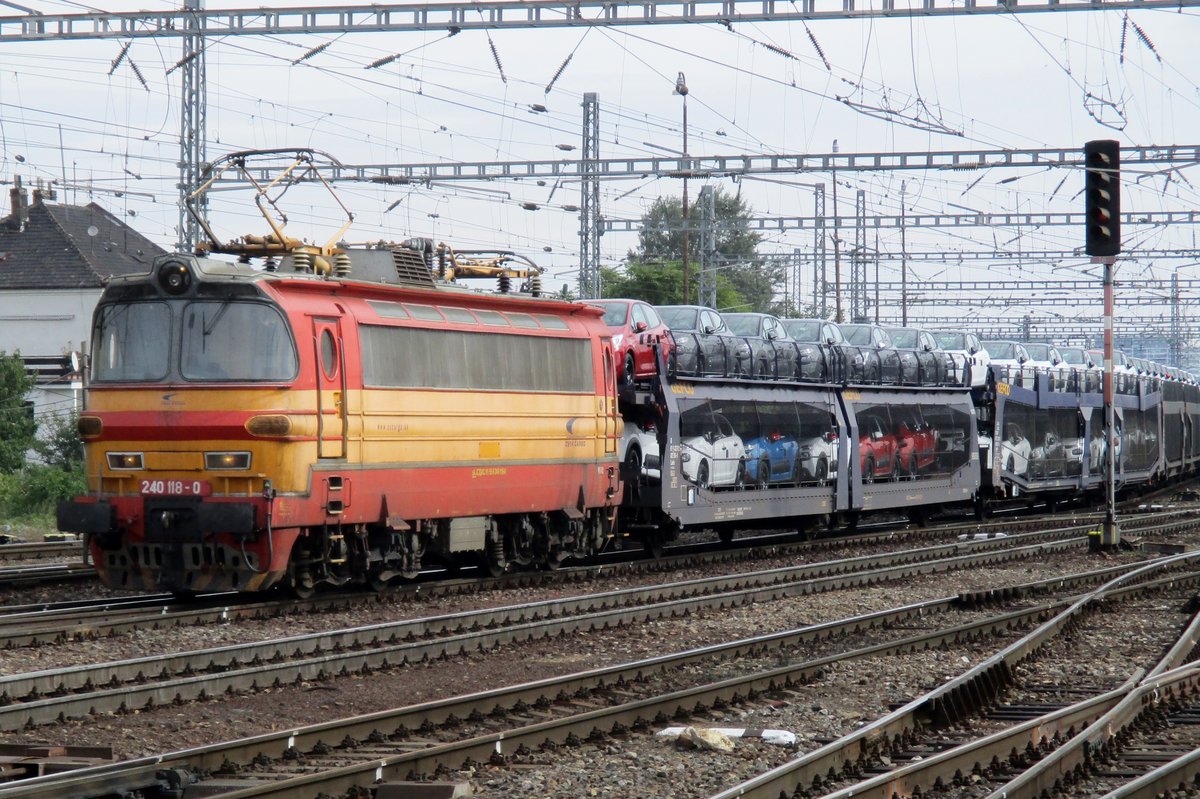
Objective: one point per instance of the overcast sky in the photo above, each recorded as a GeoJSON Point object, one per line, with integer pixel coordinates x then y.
{"type": "Point", "coordinates": [990, 82]}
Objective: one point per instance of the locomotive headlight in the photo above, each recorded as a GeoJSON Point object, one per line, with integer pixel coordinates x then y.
{"type": "Point", "coordinates": [215, 461]}
{"type": "Point", "coordinates": [175, 277]}
{"type": "Point", "coordinates": [124, 460]}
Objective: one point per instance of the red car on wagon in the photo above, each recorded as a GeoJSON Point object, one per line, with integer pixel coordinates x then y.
{"type": "Point", "coordinates": [636, 327]}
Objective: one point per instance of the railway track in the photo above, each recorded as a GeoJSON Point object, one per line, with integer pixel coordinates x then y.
{"type": "Point", "coordinates": [336, 757]}
{"type": "Point", "coordinates": [32, 699]}
{"type": "Point", "coordinates": [48, 623]}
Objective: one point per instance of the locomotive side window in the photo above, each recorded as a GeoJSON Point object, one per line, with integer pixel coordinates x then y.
{"type": "Point", "coordinates": [328, 354]}
{"type": "Point", "coordinates": [405, 357]}
{"type": "Point", "coordinates": [133, 342]}
{"type": "Point", "coordinates": [235, 341]}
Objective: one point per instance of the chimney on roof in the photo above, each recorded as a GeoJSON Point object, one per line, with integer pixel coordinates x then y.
{"type": "Point", "coordinates": [44, 191]}
{"type": "Point", "coordinates": [20, 205]}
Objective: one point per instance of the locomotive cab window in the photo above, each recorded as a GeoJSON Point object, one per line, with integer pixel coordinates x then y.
{"type": "Point", "coordinates": [328, 354]}
{"type": "Point", "coordinates": [132, 342]}
{"type": "Point", "coordinates": [235, 341]}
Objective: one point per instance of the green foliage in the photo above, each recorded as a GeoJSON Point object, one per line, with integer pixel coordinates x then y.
{"type": "Point", "coordinates": [60, 444]}
{"type": "Point", "coordinates": [661, 283]}
{"type": "Point", "coordinates": [655, 273]}
{"type": "Point", "coordinates": [37, 490]}
{"type": "Point", "coordinates": [17, 427]}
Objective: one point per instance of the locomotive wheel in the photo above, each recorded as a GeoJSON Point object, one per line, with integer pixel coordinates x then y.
{"type": "Point", "coordinates": [303, 590]}
{"type": "Point", "coordinates": [493, 568]}
{"type": "Point", "coordinates": [869, 470]}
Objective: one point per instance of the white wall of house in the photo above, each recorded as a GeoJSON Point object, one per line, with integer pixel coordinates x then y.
{"type": "Point", "coordinates": [46, 322]}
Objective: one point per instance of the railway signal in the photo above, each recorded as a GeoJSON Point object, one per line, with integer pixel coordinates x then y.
{"type": "Point", "coordinates": [1102, 189]}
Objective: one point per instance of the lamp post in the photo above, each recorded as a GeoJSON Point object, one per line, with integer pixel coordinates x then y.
{"type": "Point", "coordinates": [682, 90]}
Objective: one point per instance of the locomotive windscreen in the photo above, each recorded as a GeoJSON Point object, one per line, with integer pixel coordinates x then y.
{"type": "Point", "coordinates": [217, 340]}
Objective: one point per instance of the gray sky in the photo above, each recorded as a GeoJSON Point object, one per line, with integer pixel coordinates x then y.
{"type": "Point", "coordinates": [1032, 80]}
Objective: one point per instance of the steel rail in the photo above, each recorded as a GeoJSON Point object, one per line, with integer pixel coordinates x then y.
{"type": "Point", "coordinates": [37, 550]}
{"type": "Point", "coordinates": [143, 772]}
{"type": "Point", "coordinates": [950, 766]}
{"type": "Point", "coordinates": [425, 759]}
{"type": "Point", "coordinates": [32, 625]}
{"type": "Point", "coordinates": [948, 703]}
{"type": "Point", "coordinates": [158, 680]}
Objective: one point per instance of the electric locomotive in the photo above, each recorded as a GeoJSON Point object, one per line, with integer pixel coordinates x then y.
{"type": "Point", "coordinates": [338, 418]}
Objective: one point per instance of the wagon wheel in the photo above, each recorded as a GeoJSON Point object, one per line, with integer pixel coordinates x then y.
{"type": "Point", "coordinates": [725, 534]}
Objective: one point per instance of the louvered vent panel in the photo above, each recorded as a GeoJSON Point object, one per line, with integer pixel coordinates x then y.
{"type": "Point", "coordinates": [410, 268]}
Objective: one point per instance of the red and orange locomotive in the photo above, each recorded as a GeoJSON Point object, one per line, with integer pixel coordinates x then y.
{"type": "Point", "coordinates": [339, 418]}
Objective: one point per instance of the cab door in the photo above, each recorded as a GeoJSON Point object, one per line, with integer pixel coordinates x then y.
{"type": "Point", "coordinates": [331, 388]}
{"type": "Point", "coordinates": [608, 408]}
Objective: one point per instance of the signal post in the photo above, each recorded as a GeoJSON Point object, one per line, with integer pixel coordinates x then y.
{"type": "Point", "coordinates": [1102, 190]}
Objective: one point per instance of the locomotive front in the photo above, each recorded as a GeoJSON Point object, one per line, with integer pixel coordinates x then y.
{"type": "Point", "coordinates": [188, 430]}
{"type": "Point", "coordinates": [248, 428]}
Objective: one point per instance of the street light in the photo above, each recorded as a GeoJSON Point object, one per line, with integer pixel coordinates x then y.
{"type": "Point", "coordinates": [682, 90]}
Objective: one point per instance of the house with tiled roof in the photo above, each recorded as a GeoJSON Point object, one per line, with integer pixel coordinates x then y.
{"type": "Point", "coordinates": [54, 261]}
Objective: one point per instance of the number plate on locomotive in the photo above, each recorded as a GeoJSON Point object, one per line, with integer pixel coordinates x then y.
{"type": "Point", "coordinates": [176, 488]}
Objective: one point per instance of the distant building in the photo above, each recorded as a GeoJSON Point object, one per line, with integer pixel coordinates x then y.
{"type": "Point", "coordinates": [54, 262]}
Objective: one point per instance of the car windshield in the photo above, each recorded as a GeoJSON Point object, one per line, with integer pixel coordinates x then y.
{"type": "Point", "coordinates": [907, 339]}
{"type": "Point", "coordinates": [615, 313]}
{"type": "Point", "coordinates": [1039, 352]}
{"type": "Point", "coordinates": [1073, 356]}
{"type": "Point", "coordinates": [952, 341]}
{"type": "Point", "coordinates": [742, 325]}
{"type": "Point", "coordinates": [859, 335]}
{"type": "Point", "coordinates": [679, 318]}
{"type": "Point", "coordinates": [803, 329]}
{"type": "Point", "coordinates": [1000, 349]}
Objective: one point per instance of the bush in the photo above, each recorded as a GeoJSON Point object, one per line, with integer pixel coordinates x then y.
{"type": "Point", "coordinates": [37, 490]}
{"type": "Point", "coordinates": [60, 444]}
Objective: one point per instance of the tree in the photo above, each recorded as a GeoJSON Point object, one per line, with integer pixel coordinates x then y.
{"type": "Point", "coordinates": [60, 444]}
{"type": "Point", "coordinates": [17, 427]}
{"type": "Point", "coordinates": [744, 281]}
